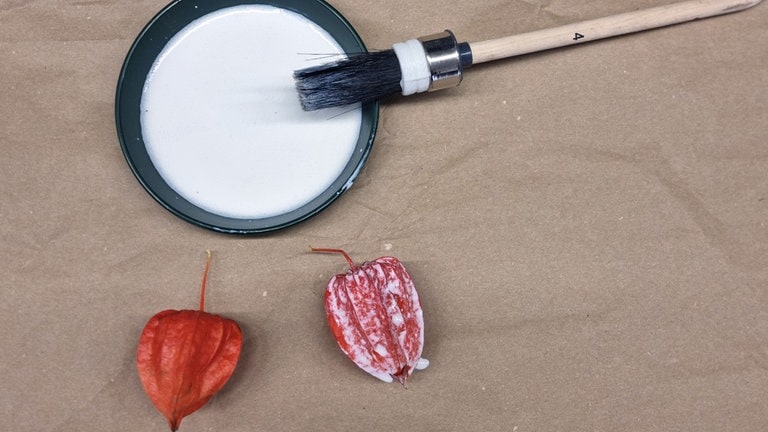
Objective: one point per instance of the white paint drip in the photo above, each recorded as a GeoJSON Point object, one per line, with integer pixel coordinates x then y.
{"type": "Point", "coordinates": [422, 364]}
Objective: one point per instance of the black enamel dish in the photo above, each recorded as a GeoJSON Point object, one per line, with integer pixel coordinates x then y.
{"type": "Point", "coordinates": [148, 45]}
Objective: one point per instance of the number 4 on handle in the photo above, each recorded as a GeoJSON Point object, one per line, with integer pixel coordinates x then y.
{"type": "Point", "coordinates": [601, 28]}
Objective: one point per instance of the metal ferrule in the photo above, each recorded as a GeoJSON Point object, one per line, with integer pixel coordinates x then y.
{"type": "Point", "coordinates": [443, 59]}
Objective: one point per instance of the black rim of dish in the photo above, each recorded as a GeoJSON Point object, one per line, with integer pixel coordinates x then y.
{"type": "Point", "coordinates": [148, 45]}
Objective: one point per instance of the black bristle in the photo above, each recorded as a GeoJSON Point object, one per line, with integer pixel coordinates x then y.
{"type": "Point", "coordinates": [361, 77]}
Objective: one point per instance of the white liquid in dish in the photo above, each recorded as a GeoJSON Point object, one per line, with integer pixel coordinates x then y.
{"type": "Point", "coordinates": [221, 119]}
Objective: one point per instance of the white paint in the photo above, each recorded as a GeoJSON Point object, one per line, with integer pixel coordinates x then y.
{"type": "Point", "coordinates": [397, 319]}
{"type": "Point", "coordinates": [422, 364]}
{"type": "Point", "coordinates": [381, 350]}
{"type": "Point", "coordinates": [221, 118]}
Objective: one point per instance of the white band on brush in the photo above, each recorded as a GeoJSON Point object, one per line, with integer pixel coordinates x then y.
{"type": "Point", "coordinates": [414, 68]}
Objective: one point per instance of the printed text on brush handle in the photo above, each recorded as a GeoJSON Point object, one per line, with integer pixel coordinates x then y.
{"type": "Point", "coordinates": [601, 28]}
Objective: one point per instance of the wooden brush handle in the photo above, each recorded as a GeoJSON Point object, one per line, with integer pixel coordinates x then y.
{"type": "Point", "coordinates": [602, 28]}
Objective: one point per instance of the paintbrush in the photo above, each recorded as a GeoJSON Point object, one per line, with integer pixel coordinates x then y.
{"type": "Point", "coordinates": [438, 61]}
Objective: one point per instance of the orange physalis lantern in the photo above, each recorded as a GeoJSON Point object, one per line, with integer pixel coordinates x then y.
{"type": "Point", "coordinates": [186, 356]}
